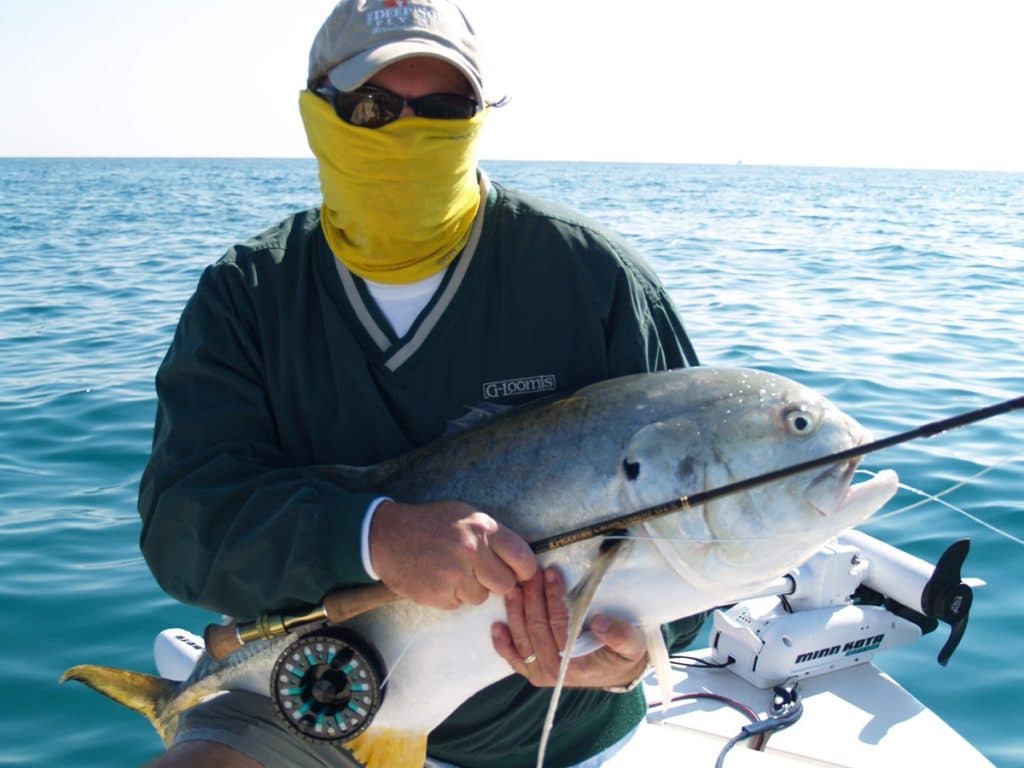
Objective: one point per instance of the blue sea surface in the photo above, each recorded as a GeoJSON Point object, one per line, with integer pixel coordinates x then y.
{"type": "Point", "coordinates": [899, 294]}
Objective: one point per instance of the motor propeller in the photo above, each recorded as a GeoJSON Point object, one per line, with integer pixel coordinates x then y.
{"type": "Point", "coordinates": [948, 597]}
{"type": "Point", "coordinates": [919, 591]}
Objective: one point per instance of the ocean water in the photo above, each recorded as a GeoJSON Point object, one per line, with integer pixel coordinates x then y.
{"type": "Point", "coordinates": [899, 294]}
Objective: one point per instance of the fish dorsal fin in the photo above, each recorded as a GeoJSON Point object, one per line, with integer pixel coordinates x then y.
{"type": "Point", "coordinates": [579, 600]}
{"type": "Point", "coordinates": [480, 429]}
{"type": "Point", "coordinates": [474, 416]}
{"type": "Point", "coordinates": [389, 748]}
{"type": "Point", "coordinates": [148, 695]}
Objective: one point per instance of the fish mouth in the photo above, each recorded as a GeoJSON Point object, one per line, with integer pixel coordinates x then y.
{"type": "Point", "coordinates": [829, 490]}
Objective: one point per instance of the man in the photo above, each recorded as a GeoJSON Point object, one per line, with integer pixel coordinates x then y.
{"type": "Point", "coordinates": [355, 332]}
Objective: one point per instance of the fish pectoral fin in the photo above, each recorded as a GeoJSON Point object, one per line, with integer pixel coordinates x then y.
{"type": "Point", "coordinates": [658, 657]}
{"type": "Point", "coordinates": [146, 694]}
{"type": "Point", "coordinates": [389, 748]}
{"type": "Point", "coordinates": [579, 599]}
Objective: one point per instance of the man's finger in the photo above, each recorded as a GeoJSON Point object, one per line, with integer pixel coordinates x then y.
{"type": "Point", "coordinates": [558, 609]}
{"type": "Point", "coordinates": [538, 625]}
{"type": "Point", "coordinates": [515, 552]}
{"type": "Point", "coordinates": [472, 592]}
{"type": "Point", "coordinates": [501, 638]}
{"type": "Point", "coordinates": [493, 573]}
{"type": "Point", "coordinates": [516, 617]}
{"type": "Point", "coordinates": [506, 648]}
{"type": "Point", "coordinates": [619, 636]}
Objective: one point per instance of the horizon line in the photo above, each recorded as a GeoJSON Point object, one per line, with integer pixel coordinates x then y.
{"type": "Point", "coordinates": [577, 161]}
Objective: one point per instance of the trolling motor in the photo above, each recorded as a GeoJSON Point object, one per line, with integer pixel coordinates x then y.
{"type": "Point", "coordinates": [854, 597]}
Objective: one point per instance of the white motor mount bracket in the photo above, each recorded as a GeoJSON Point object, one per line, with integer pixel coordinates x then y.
{"type": "Point", "coordinates": [855, 597]}
{"type": "Point", "coordinates": [770, 645]}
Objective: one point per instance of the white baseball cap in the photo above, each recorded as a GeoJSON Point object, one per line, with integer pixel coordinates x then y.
{"type": "Point", "coordinates": [361, 37]}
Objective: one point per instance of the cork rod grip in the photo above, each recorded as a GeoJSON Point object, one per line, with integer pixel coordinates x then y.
{"type": "Point", "coordinates": [224, 639]}
{"type": "Point", "coordinates": [345, 604]}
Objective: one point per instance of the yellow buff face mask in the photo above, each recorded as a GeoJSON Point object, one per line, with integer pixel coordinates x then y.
{"type": "Point", "coordinates": [399, 200]}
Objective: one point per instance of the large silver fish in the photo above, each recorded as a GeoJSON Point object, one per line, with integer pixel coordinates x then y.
{"type": "Point", "coordinates": [611, 448]}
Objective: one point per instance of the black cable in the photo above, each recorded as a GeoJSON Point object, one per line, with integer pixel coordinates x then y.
{"type": "Point", "coordinates": [682, 661]}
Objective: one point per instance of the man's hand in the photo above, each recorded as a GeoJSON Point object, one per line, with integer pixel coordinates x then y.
{"type": "Point", "coordinates": [446, 554]}
{"type": "Point", "coordinates": [535, 636]}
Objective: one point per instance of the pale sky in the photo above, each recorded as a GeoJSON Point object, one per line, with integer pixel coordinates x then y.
{"type": "Point", "coordinates": [869, 83]}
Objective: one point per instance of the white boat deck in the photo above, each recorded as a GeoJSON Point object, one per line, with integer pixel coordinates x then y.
{"type": "Point", "coordinates": [853, 717]}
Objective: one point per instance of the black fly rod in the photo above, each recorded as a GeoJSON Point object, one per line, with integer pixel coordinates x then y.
{"type": "Point", "coordinates": [344, 604]}
{"type": "Point", "coordinates": [643, 515]}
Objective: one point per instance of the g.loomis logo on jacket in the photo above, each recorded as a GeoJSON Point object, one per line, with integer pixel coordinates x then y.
{"type": "Point", "coordinates": [530, 385]}
{"type": "Point", "coordinates": [496, 390]}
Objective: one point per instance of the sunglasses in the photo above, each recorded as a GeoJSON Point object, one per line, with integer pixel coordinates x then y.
{"type": "Point", "coordinates": [372, 107]}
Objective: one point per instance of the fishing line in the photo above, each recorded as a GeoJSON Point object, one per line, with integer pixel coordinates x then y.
{"type": "Point", "coordinates": [938, 499]}
{"type": "Point", "coordinates": [689, 540]}
{"type": "Point", "coordinates": [938, 496]}
{"type": "Point", "coordinates": [392, 667]}
{"type": "Point", "coordinates": [876, 518]}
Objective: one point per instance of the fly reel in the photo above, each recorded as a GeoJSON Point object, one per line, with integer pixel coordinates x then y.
{"type": "Point", "coordinates": [328, 684]}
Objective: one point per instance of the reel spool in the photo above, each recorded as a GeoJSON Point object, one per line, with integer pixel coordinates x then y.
{"type": "Point", "coordinates": [327, 684]}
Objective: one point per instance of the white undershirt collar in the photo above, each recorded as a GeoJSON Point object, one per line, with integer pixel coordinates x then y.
{"type": "Point", "coordinates": [402, 304]}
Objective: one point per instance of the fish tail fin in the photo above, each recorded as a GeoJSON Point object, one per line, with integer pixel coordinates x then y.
{"type": "Point", "coordinates": [146, 694]}
{"type": "Point", "coordinates": [389, 748]}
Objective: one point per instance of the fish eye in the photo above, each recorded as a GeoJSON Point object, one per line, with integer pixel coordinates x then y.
{"type": "Point", "coordinates": [799, 421]}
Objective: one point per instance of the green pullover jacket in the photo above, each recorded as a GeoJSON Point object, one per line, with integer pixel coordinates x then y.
{"type": "Point", "coordinates": [281, 361]}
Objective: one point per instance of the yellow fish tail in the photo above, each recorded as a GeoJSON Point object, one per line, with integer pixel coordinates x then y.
{"type": "Point", "coordinates": [146, 694]}
{"type": "Point", "coordinates": [389, 748]}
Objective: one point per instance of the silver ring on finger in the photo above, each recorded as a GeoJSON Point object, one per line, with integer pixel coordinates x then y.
{"type": "Point", "coordinates": [530, 659]}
